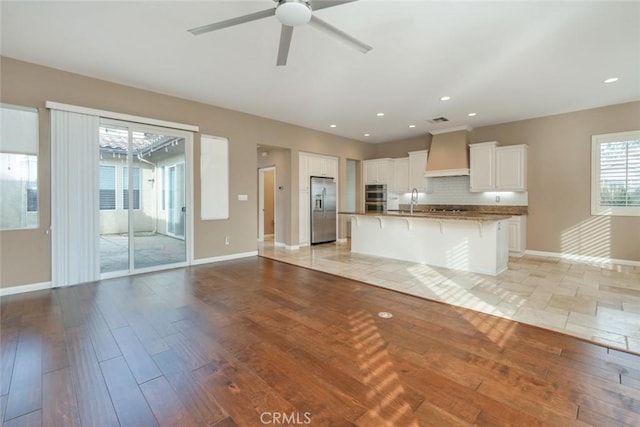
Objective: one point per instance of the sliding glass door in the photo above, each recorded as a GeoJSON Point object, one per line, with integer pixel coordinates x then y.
{"type": "Point", "coordinates": [142, 197]}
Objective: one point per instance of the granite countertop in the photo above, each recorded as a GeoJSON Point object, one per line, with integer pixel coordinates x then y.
{"type": "Point", "coordinates": [457, 216]}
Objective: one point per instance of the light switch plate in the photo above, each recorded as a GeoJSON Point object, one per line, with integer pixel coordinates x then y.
{"type": "Point", "coordinates": [243, 197]}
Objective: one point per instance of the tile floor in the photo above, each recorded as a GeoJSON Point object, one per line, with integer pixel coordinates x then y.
{"type": "Point", "coordinates": [600, 303]}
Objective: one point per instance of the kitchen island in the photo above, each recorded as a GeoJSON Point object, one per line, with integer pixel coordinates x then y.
{"type": "Point", "coordinates": [468, 241]}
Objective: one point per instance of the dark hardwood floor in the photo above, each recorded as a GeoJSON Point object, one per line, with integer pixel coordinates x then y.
{"type": "Point", "coordinates": [258, 342]}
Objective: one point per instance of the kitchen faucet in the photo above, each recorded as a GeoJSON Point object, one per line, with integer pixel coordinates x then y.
{"type": "Point", "coordinates": [414, 200]}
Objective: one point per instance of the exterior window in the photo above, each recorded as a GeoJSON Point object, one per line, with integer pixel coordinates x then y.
{"type": "Point", "coordinates": [18, 168]}
{"type": "Point", "coordinates": [136, 188]}
{"type": "Point", "coordinates": [615, 188]}
{"type": "Point", "coordinates": [107, 188]}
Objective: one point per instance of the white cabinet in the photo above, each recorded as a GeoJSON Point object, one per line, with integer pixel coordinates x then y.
{"type": "Point", "coordinates": [511, 168]}
{"type": "Point", "coordinates": [376, 171]}
{"type": "Point", "coordinates": [517, 234]}
{"type": "Point", "coordinates": [417, 167]}
{"type": "Point", "coordinates": [482, 166]}
{"type": "Point", "coordinates": [322, 166]}
{"type": "Point", "coordinates": [400, 182]}
{"type": "Point", "coordinates": [495, 168]}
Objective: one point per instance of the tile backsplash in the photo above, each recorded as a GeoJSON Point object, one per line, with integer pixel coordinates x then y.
{"type": "Point", "coordinates": [454, 190]}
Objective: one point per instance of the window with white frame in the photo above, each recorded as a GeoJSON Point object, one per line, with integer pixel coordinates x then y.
{"type": "Point", "coordinates": [125, 188]}
{"type": "Point", "coordinates": [615, 174]}
{"type": "Point", "coordinates": [18, 167]}
{"type": "Point", "coordinates": [107, 187]}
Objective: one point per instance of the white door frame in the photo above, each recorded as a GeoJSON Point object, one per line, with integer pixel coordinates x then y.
{"type": "Point", "coordinates": [188, 162]}
{"type": "Point", "coordinates": [261, 172]}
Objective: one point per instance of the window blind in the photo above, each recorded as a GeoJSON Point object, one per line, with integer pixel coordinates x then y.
{"type": "Point", "coordinates": [620, 173]}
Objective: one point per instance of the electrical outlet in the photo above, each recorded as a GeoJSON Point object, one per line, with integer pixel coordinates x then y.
{"type": "Point", "coordinates": [497, 199]}
{"type": "Point", "coordinates": [227, 240]}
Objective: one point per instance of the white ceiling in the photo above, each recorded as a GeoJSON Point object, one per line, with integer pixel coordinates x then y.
{"type": "Point", "coordinates": [504, 61]}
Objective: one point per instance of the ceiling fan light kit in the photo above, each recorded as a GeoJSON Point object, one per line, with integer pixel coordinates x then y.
{"type": "Point", "coordinates": [293, 12]}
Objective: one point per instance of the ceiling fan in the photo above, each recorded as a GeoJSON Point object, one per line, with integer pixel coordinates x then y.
{"type": "Point", "coordinates": [291, 13]}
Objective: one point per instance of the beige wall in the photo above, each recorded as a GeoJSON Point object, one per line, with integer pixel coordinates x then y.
{"type": "Point", "coordinates": [399, 148]}
{"type": "Point", "coordinates": [559, 168]}
{"type": "Point", "coordinates": [559, 181]}
{"type": "Point", "coordinates": [25, 256]}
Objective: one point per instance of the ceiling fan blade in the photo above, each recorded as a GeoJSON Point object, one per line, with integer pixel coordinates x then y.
{"type": "Point", "coordinates": [233, 21]}
{"type": "Point", "coordinates": [323, 4]}
{"type": "Point", "coordinates": [338, 34]}
{"type": "Point", "coordinates": [285, 44]}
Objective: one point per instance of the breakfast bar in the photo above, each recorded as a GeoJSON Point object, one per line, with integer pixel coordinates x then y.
{"type": "Point", "coordinates": [468, 241]}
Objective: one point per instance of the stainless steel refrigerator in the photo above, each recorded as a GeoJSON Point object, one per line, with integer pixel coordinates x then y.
{"type": "Point", "coordinates": [323, 210]}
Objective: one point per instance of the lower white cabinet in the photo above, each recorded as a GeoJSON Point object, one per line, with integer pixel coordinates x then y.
{"type": "Point", "coordinates": [517, 234]}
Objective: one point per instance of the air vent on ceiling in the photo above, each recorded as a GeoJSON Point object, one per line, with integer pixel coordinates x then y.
{"type": "Point", "coordinates": [439, 120]}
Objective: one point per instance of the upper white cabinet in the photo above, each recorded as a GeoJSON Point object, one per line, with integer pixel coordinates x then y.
{"type": "Point", "coordinates": [417, 166]}
{"type": "Point", "coordinates": [316, 165]}
{"type": "Point", "coordinates": [495, 168]}
{"type": "Point", "coordinates": [377, 171]}
{"type": "Point", "coordinates": [400, 182]}
{"type": "Point", "coordinates": [482, 166]}
{"type": "Point", "coordinates": [511, 168]}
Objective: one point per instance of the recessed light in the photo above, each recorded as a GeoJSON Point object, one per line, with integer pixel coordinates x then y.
{"type": "Point", "coordinates": [367, 134]}
{"type": "Point", "coordinates": [412, 126]}
{"type": "Point", "coordinates": [445, 98]}
{"type": "Point", "coordinates": [471, 114]}
{"type": "Point", "coordinates": [380, 114]}
{"type": "Point", "coordinates": [611, 80]}
{"type": "Point", "coordinates": [332, 126]}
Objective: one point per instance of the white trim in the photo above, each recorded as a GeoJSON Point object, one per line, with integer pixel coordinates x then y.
{"type": "Point", "coordinates": [24, 288]}
{"type": "Point", "coordinates": [342, 240]}
{"type": "Point", "coordinates": [596, 207]}
{"type": "Point", "coordinates": [583, 258]}
{"type": "Point", "coordinates": [446, 172]}
{"type": "Point", "coordinates": [201, 261]}
{"type": "Point", "coordinates": [452, 129]}
{"type": "Point", "coordinates": [120, 116]}
{"type": "Point", "coordinates": [287, 247]}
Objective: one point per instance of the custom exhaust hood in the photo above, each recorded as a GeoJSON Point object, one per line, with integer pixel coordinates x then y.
{"type": "Point", "coordinates": [449, 153]}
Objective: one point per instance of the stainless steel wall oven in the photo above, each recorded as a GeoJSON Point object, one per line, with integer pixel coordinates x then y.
{"type": "Point", "coordinates": [375, 198]}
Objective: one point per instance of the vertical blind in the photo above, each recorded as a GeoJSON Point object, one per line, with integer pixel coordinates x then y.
{"type": "Point", "coordinates": [75, 223]}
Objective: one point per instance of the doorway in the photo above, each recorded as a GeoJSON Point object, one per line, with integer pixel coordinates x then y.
{"type": "Point", "coordinates": [143, 198]}
{"type": "Point", "coordinates": [266, 203]}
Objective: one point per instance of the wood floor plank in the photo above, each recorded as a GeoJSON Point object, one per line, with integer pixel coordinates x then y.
{"type": "Point", "coordinates": [59, 406]}
{"type": "Point", "coordinates": [222, 344]}
{"type": "Point", "coordinates": [165, 404]}
{"type": "Point", "coordinates": [128, 401]}
{"type": "Point", "coordinates": [140, 362]}
{"type": "Point", "coordinates": [32, 419]}
{"type": "Point", "coordinates": [94, 401]}
{"type": "Point", "coordinates": [8, 345]}
{"type": "Point", "coordinates": [200, 402]}
{"type": "Point", "coordinates": [25, 392]}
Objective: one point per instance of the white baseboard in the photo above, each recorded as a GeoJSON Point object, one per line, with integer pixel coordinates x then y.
{"type": "Point", "coordinates": [583, 258]}
{"type": "Point", "coordinates": [224, 258]}
{"type": "Point", "coordinates": [287, 247]}
{"type": "Point", "coordinates": [24, 288]}
{"type": "Point", "coordinates": [343, 240]}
